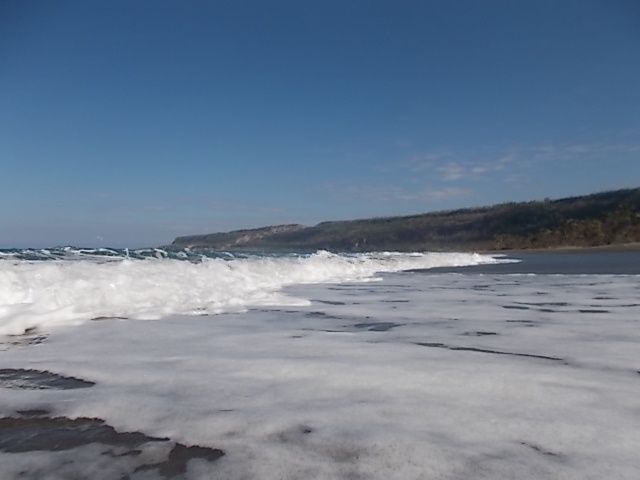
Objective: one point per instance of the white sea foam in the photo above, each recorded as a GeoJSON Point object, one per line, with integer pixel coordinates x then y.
{"type": "Point", "coordinates": [480, 377]}
{"type": "Point", "coordinates": [47, 293]}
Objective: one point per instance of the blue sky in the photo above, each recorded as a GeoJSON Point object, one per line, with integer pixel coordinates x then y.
{"type": "Point", "coordinates": [131, 122]}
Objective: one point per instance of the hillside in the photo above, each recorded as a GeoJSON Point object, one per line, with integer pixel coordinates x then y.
{"type": "Point", "coordinates": [234, 239]}
{"type": "Point", "coordinates": [598, 219]}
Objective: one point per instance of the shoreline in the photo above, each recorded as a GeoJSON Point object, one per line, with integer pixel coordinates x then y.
{"type": "Point", "coordinates": [585, 261]}
{"type": "Point", "coordinates": [611, 248]}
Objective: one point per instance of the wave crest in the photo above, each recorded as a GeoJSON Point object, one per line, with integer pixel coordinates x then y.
{"type": "Point", "coordinates": [46, 294]}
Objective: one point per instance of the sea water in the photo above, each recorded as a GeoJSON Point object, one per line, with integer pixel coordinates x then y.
{"type": "Point", "coordinates": [486, 372]}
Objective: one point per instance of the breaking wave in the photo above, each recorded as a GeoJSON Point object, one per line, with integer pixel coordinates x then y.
{"type": "Point", "coordinates": [73, 286]}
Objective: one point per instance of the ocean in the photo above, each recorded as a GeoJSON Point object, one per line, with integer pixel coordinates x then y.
{"type": "Point", "coordinates": [145, 364]}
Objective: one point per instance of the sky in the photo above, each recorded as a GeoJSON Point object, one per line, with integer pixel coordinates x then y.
{"type": "Point", "coordinates": [127, 123]}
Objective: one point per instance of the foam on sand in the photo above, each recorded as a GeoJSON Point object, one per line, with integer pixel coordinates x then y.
{"type": "Point", "coordinates": [419, 376]}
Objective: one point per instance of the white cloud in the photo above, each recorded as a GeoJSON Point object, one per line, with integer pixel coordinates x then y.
{"type": "Point", "coordinates": [445, 193]}
{"type": "Point", "coordinates": [452, 171]}
{"type": "Point", "coordinates": [450, 165]}
{"type": "Point", "coordinates": [394, 193]}
{"type": "Point", "coordinates": [578, 151]}
{"type": "Point", "coordinates": [453, 166]}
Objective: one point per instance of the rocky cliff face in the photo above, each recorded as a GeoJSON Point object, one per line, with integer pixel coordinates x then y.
{"type": "Point", "coordinates": [234, 239]}
{"type": "Point", "coordinates": [604, 218]}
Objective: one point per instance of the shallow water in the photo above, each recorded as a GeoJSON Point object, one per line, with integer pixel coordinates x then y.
{"type": "Point", "coordinates": [576, 263]}
{"type": "Point", "coordinates": [440, 375]}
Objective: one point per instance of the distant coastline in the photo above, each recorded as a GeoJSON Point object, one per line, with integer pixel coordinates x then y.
{"type": "Point", "coordinates": [610, 248]}
{"type": "Point", "coordinates": [605, 221]}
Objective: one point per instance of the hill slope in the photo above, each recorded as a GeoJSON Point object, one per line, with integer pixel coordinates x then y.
{"type": "Point", "coordinates": [234, 239]}
{"type": "Point", "coordinates": [598, 219]}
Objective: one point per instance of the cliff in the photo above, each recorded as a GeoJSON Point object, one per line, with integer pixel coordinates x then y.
{"type": "Point", "coordinates": [235, 239]}
{"type": "Point", "coordinates": [599, 219]}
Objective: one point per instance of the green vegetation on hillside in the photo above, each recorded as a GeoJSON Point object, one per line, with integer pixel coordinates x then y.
{"type": "Point", "coordinates": [597, 219]}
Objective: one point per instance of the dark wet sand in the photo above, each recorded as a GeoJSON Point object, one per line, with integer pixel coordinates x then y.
{"type": "Point", "coordinates": [33, 430]}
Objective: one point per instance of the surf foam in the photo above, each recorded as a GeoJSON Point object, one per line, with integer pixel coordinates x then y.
{"type": "Point", "coordinates": [45, 294]}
